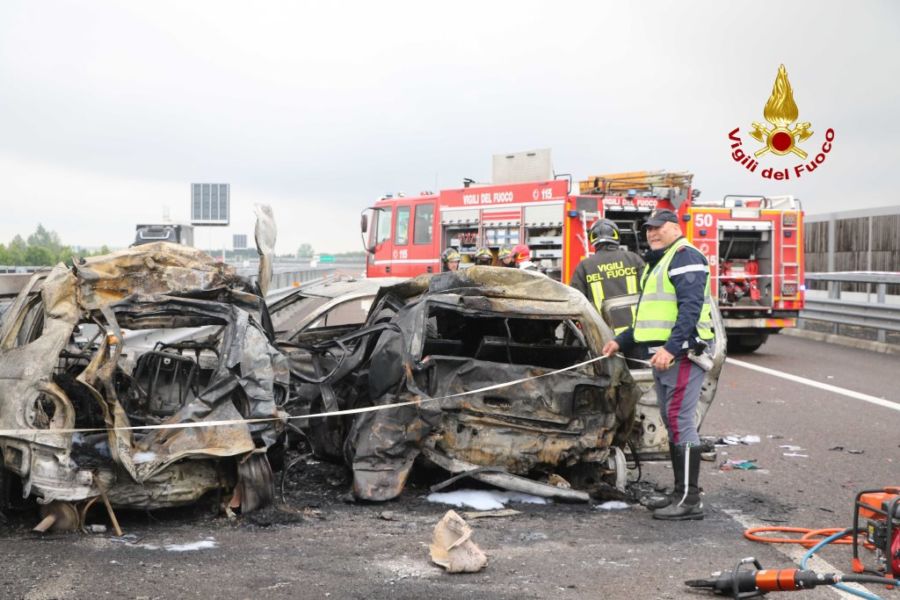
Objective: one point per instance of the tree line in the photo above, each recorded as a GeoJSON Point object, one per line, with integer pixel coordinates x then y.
{"type": "Point", "coordinates": [41, 248]}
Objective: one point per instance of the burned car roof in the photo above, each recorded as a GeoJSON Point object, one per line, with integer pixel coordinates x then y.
{"type": "Point", "coordinates": [67, 363]}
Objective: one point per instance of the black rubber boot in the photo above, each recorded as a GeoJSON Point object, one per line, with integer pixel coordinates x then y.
{"type": "Point", "coordinates": [688, 506]}
{"type": "Point", "coordinates": [663, 499]}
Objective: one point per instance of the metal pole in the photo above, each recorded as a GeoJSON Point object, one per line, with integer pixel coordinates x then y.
{"type": "Point", "coordinates": [869, 260]}
{"type": "Point", "coordinates": [834, 287]}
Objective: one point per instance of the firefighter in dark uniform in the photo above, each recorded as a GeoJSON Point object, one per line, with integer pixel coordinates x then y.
{"type": "Point", "coordinates": [673, 321]}
{"type": "Point", "coordinates": [610, 272]}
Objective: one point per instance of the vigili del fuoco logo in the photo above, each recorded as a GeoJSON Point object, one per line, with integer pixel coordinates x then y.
{"type": "Point", "coordinates": [783, 138]}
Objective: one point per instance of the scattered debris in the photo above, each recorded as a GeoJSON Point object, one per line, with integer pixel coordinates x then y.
{"type": "Point", "coordinates": [837, 448]}
{"type": "Point", "coordinates": [387, 515]}
{"type": "Point", "coordinates": [795, 455]}
{"type": "Point", "coordinates": [452, 547]}
{"type": "Point", "coordinates": [791, 448]}
{"type": "Point", "coordinates": [613, 505]}
{"type": "Point", "coordinates": [483, 499]}
{"type": "Point", "coordinates": [743, 465]}
{"type": "Point", "coordinates": [558, 481]}
{"type": "Point", "coordinates": [487, 514]}
{"type": "Point", "coordinates": [734, 440]}
{"type": "Point", "coordinates": [856, 451]}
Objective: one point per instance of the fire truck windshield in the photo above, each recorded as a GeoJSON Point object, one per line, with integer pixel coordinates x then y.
{"type": "Point", "coordinates": [383, 230]}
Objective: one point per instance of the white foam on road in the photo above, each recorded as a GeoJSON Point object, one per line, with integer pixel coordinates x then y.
{"type": "Point", "coordinates": [191, 547]}
{"type": "Point", "coordinates": [483, 499]}
{"type": "Point", "coordinates": [795, 552]}
{"type": "Point", "coordinates": [816, 384]}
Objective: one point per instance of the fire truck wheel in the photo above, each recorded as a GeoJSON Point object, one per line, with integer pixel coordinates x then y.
{"type": "Point", "coordinates": [745, 344]}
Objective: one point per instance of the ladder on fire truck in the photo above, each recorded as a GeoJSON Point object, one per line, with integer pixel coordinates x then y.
{"type": "Point", "coordinates": [790, 229]}
{"type": "Point", "coordinates": [657, 184]}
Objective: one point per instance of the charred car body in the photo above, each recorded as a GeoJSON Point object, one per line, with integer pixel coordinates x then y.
{"type": "Point", "coordinates": [153, 335]}
{"type": "Point", "coordinates": [449, 345]}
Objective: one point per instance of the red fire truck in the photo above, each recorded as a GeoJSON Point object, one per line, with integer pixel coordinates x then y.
{"type": "Point", "coordinates": [753, 243]}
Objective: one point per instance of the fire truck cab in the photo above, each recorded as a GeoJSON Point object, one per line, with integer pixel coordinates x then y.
{"type": "Point", "coordinates": [404, 236]}
{"type": "Point", "coordinates": [753, 243]}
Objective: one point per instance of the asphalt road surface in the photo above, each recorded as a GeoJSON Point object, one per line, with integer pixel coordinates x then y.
{"type": "Point", "coordinates": [318, 546]}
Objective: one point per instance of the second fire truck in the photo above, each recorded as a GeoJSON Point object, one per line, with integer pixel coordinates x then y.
{"type": "Point", "coordinates": [753, 243]}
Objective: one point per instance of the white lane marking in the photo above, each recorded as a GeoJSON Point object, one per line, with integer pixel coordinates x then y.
{"type": "Point", "coordinates": [795, 552]}
{"type": "Point", "coordinates": [822, 386]}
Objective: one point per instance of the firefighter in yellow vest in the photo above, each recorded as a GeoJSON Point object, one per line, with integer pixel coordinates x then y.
{"type": "Point", "coordinates": [674, 319]}
{"type": "Point", "coordinates": [610, 272]}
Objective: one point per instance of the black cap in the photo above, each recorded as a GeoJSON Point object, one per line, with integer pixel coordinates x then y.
{"type": "Point", "coordinates": [661, 217]}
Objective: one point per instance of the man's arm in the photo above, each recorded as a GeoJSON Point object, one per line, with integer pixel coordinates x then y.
{"type": "Point", "coordinates": [688, 271]}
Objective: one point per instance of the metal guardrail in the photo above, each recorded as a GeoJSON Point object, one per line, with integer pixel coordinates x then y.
{"type": "Point", "coordinates": [855, 309]}
{"type": "Point", "coordinates": [293, 278]}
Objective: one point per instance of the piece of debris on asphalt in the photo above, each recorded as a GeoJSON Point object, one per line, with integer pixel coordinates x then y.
{"type": "Point", "coordinates": [837, 448]}
{"type": "Point", "coordinates": [487, 514]}
{"type": "Point", "coordinates": [452, 547]}
{"type": "Point", "coordinates": [613, 505]}
{"type": "Point", "coordinates": [734, 440]}
{"type": "Point", "coordinates": [791, 448]}
{"type": "Point", "coordinates": [559, 481]}
{"type": "Point", "coordinates": [795, 455]}
{"type": "Point", "coordinates": [387, 515]}
{"type": "Point", "coordinates": [856, 451]}
{"type": "Point", "coordinates": [743, 465]}
{"type": "Point", "coordinates": [483, 499]}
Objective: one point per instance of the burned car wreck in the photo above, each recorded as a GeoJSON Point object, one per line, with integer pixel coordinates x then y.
{"type": "Point", "coordinates": [113, 371]}
{"type": "Point", "coordinates": [446, 348]}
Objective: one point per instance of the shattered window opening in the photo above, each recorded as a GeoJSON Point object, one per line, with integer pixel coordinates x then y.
{"type": "Point", "coordinates": [540, 342]}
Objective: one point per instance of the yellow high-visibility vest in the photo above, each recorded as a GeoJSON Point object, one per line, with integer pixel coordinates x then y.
{"type": "Point", "coordinates": [658, 308]}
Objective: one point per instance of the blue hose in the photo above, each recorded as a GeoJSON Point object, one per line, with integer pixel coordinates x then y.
{"type": "Point", "coordinates": [840, 586]}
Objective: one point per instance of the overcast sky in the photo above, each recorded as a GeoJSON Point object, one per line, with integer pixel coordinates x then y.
{"type": "Point", "coordinates": [108, 110]}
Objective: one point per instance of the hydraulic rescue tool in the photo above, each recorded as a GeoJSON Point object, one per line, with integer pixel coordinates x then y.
{"type": "Point", "coordinates": [881, 510]}
{"type": "Point", "coordinates": [741, 584]}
